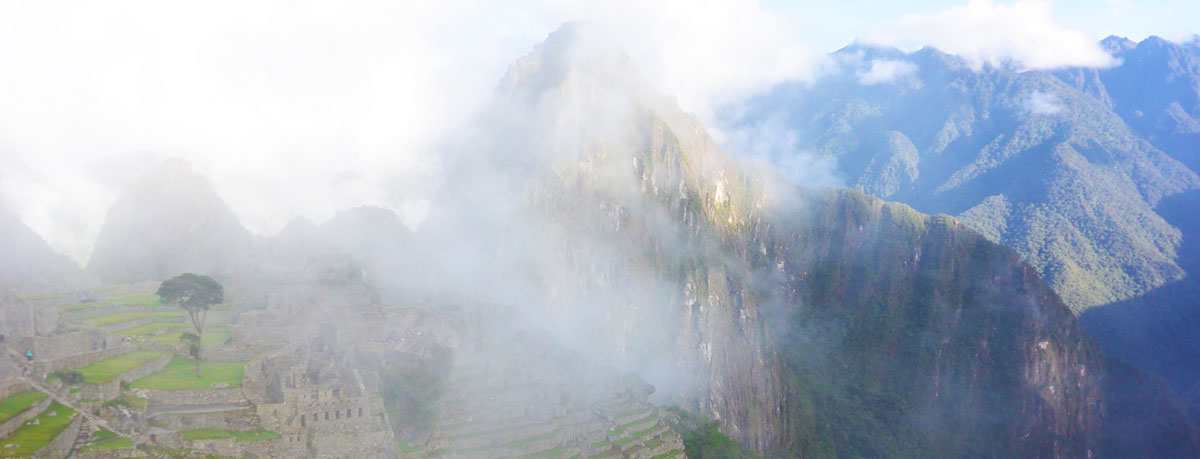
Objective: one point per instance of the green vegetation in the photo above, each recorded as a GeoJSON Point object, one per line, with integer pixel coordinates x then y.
{"type": "Point", "coordinates": [150, 328]}
{"type": "Point", "coordinates": [411, 389]}
{"type": "Point", "coordinates": [121, 317]}
{"type": "Point", "coordinates": [69, 378]}
{"type": "Point", "coordinates": [19, 402]}
{"type": "Point", "coordinates": [244, 436]}
{"type": "Point", "coordinates": [702, 438]}
{"type": "Point", "coordinates": [195, 294]}
{"type": "Point", "coordinates": [106, 440]}
{"type": "Point", "coordinates": [669, 454]}
{"type": "Point", "coordinates": [106, 370]}
{"type": "Point", "coordinates": [212, 338]}
{"type": "Point", "coordinates": [178, 375]}
{"type": "Point", "coordinates": [128, 401]}
{"type": "Point", "coordinates": [138, 299]}
{"type": "Point", "coordinates": [38, 433]}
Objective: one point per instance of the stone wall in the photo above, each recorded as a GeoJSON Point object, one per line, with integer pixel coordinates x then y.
{"type": "Point", "coordinates": [80, 360]}
{"type": "Point", "coordinates": [14, 387]}
{"type": "Point", "coordinates": [230, 396]}
{"type": "Point", "coordinates": [228, 447]}
{"type": "Point", "coordinates": [60, 345]}
{"type": "Point", "coordinates": [288, 446]}
{"type": "Point", "coordinates": [367, 444]}
{"type": "Point", "coordinates": [61, 445]}
{"type": "Point", "coordinates": [243, 419]}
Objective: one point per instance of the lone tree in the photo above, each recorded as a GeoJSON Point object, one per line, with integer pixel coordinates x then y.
{"type": "Point", "coordinates": [195, 294]}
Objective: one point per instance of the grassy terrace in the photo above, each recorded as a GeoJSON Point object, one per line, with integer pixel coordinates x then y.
{"type": "Point", "coordinates": [36, 434]}
{"type": "Point", "coordinates": [129, 401]}
{"type": "Point", "coordinates": [106, 370]}
{"type": "Point", "coordinates": [106, 440]}
{"type": "Point", "coordinates": [669, 454]}
{"type": "Point", "coordinates": [142, 299]}
{"type": "Point", "coordinates": [180, 373]}
{"type": "Point", "coordinates": [211, 338]}
{"type": "Point", "coordinates": [151, 328]}
{"type": "Point", "coordinates": [243, 436]}
{"type": "Point", "coordinates": [131, 316]}
{"type": "Point", "coordinates": [17, 403]}
{"type": "Point", "coordinates": [556, 452]}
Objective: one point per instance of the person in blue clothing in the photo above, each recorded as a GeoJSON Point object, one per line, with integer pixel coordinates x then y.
{"type": "Point", "coordinates": [29, 355]}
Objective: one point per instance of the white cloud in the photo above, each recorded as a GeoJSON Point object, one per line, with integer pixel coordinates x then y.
{"type": "Point", "coordinates": [304, 108]}
{"type": "Point", "coordinates": [886, 71]}
{"type": "Point", "coordinates": [1043, 103]}
{"type": "Point", "coordinates": [1020, 34]}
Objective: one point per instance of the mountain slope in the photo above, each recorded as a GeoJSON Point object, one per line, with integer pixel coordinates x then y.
{"type": "Point", "coordinates": [1023, 158]}
{"type": "Point", "coordinates": [1155, 89]}
{"type": "Point", "coordinates": [806, 322]}
{"type": "Point", "coordinates": [169, 222]}
{"type": "Point", "coordinates": [28, 264]}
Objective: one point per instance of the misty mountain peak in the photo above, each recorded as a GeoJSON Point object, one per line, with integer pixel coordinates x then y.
{"type": "Point", "coordinates": [573, 51]}
{"type": "Point", "coordinates": [1117, 45]}
{"type": "Point", "coordinates": [169, 221]}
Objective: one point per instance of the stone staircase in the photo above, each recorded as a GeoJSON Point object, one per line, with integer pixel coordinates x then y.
{"type": "Point", "coordinates": [95, 421]}
{"type": "Point", "coordinates": [86, 430]}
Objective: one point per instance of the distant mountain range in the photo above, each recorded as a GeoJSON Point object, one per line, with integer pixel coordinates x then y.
{"type": "Point", "coordinates": [1091, 174]}
{"type": "Point", "coordinates": [1025, 158]}
{"type": "Point", "coordinates": [807, 322]}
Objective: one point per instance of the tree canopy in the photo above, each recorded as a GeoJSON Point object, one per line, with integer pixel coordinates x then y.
{"type": "Point", "coordinates": [193, 292]}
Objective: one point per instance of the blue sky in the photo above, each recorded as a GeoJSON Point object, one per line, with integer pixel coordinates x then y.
{"type": "Point", "coordinates": [830, 25]}
{"type": "Point", "coordinates": [355, 96]}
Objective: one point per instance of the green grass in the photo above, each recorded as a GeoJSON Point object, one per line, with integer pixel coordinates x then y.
{"type": "Point", "coordinates": [110, 444]}
{"type": "Point", "coordinates": [556, 452]}
{"type": "Point", "coordinates": [211, 338]}
{"type": "Point", "coordinates": [128, 401]}
{"type": "Point", "coordinates": [408, 447]}
{"type": "Point", "coordinates": [150, 328]}
{"type": "Point", "coordinates": [244, 436]}
{"type": "Point", "coordinates": [180, 374]}
{"type": "Point", "coordinates": [669, 454]}
{"type": "Point", "coordinates": [106, 370]}
{"type": "Point", "coordinates": [141, 299]}
{"type": "Point", "coordinates": [31, 437]}
{"type": "Point", "coordinates": [131, 316]}
{"type": "Point", "coordinates": [538, 437]}
{"type": "Point", "coordinates": [19, 402]}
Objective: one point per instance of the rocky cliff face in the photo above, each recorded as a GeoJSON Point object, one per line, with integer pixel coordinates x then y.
{"type": "Point", "coordinates": [170, 222]}
{"type": "Point", "coordinates": [806, 322]}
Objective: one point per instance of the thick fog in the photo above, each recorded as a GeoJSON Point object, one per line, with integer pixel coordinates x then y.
{"type": "Point", "coordinates": [302, 109]}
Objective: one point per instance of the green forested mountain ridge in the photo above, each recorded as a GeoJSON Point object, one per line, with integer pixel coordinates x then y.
{"type": "Point", "coordinates": [807, 322]}
{"type": "Point", "coordinates": [1155, 89]}
{"type": "Point", "coordinates": [1022, 157]}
